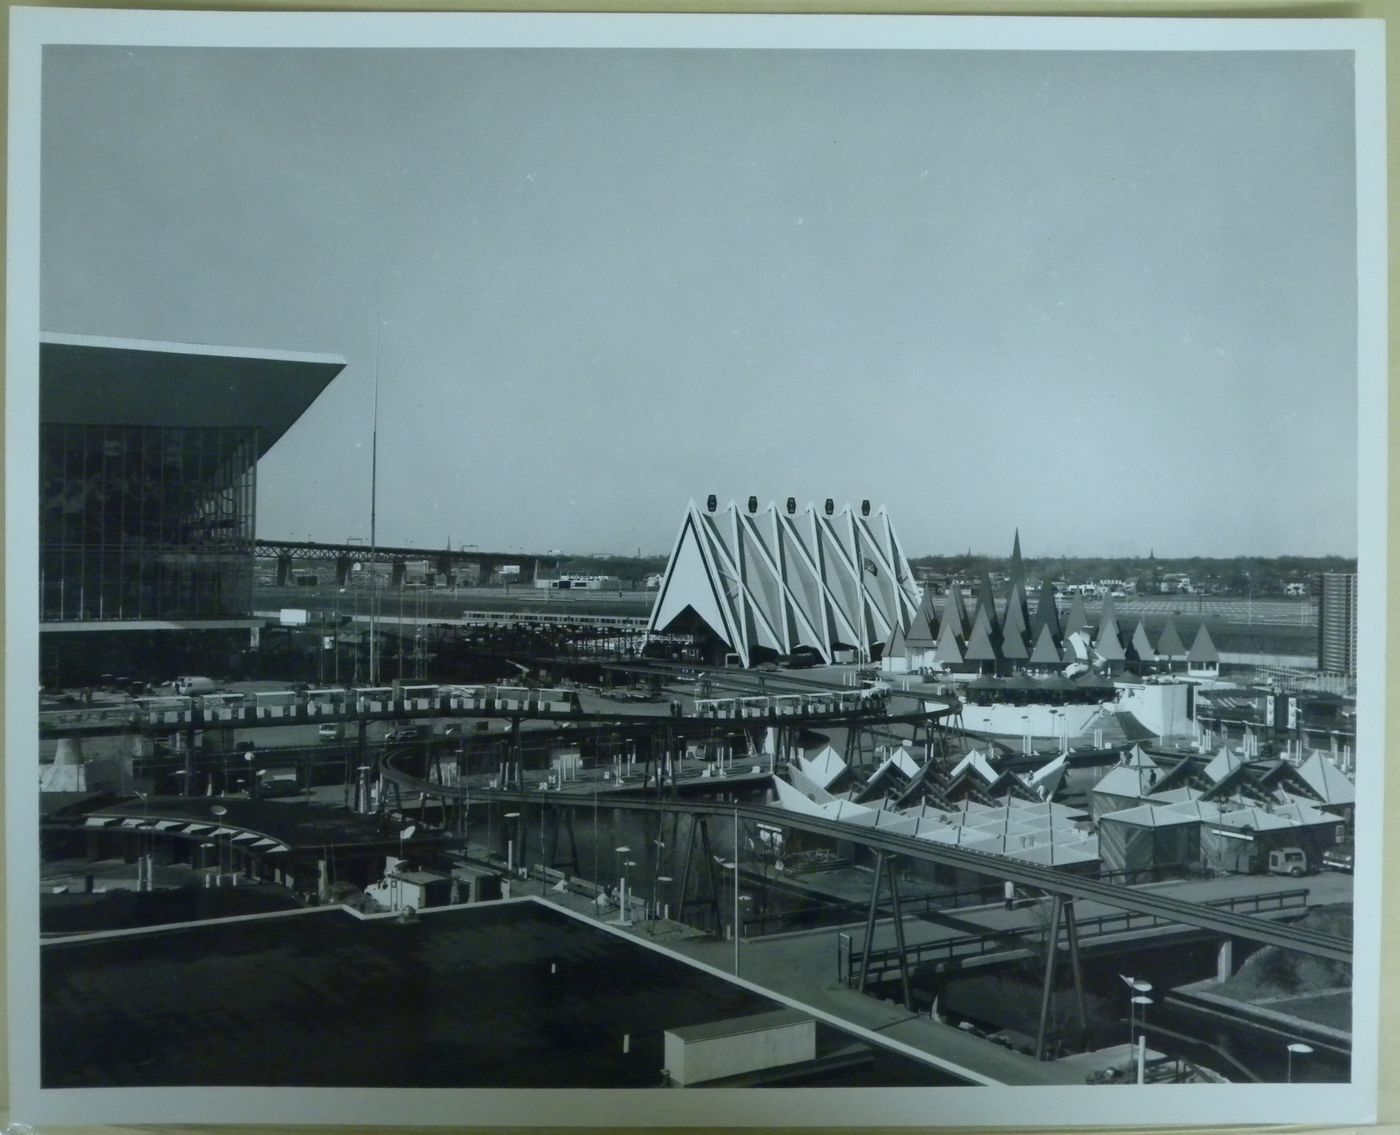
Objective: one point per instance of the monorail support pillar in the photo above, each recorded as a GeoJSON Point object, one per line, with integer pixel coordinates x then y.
{"type": "Point", "coordinates": [870, 921]}
{"type": "Point", "coordinates": [1072, 935]}
{"type": "Point", "coordinates": [899, 935]}
{"type": "Point", "coordinates": [1052, 944]}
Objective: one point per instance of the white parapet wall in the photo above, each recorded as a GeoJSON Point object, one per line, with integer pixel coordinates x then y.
{"type": "Point", "coordinates": [713, 1051]}
{"type": "Point", "coordinates": [1160, 706]}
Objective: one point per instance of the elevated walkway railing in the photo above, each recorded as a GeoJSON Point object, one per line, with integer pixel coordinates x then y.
{"type": "Point", "coordinates": [968, 946]}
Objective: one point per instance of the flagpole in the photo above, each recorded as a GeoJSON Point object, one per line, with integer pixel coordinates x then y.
{"type": "Point", "coordinates": [373, 515]}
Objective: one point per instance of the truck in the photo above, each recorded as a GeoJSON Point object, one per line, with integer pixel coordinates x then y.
{"type": "Point", "coordinates": [194, 685]}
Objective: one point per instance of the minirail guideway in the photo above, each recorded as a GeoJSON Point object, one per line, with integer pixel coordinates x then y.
{"type": "Point", "coordinates": [1002, 867]}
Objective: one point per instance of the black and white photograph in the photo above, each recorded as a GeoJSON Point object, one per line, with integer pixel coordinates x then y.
{"type": "Point", "coordinates": [645, 569]}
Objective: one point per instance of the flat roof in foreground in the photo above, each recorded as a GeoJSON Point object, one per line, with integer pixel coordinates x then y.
{"type": "Point", "coordinates": [501, 995]}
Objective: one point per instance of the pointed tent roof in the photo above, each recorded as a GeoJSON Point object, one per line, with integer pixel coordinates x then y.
{"type": "Point", "coordinates": [958, 609]}
{"type": "Point", "coordinates": [1169, 644]}
{"type": "Point", "coordinates": [1047, 613]}
{"type": "Point", "coordinates": [1203, 649]}
{"type": "Point", "coordinates": [691, 583]}
{"type": "Point", "coordinates": [1078, 618]}
{"type": "Point", "coordinates": [1015, 620]}
{"type": "Point", "coordinates": [1140, 646]}
{"type": "Point", "coordinates": [898, 645]}
{"type": "Point", "coordinates": [1013, 647]}
{"type": "Point", "coordinates": [921, 636]}
{"type": "Point", "coordinates": [1108, 625]}
{"type": "Point", "coordinates": [1222, 765]}
{"type": "Point", "coordinates": [949, 649]}
{"type": "Point", "coordinates": [1046, 653]}
{"type": "Point", "coordinates": [1018, 574]}
{"type": "Point", "coordinates": [987, 601]}
{"type": "Point", "coordinates": [1327, 780]}
{"type": "Point", "coordinates": [981, 647]}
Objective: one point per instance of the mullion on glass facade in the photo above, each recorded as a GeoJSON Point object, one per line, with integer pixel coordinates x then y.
{"type": "Point", "coordinates": [142, 522]}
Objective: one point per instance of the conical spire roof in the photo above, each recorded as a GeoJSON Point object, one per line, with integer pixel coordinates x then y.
{"type": "Point", "coordinates": [1141, 646]}
{"type": "Point", "coordinates": [962, 623]}
{"type": "Point", "coordinates": [987, 601]}
{"type": "Point", "coordinates": [898, 645]}
{"type": "Point", "coordinates": [1077, 619]}
{"type": "Point", "coordinates": [1015, 622]}
{"type": "Point", "coordinates": [1013, 646]}
{"type": "Point", "coordinates": [1108, 622]}
{"type": "Point", "coordinates": [949, 650]}
{"type": "Point", "coordinates": [981, 643]}
{"type": "Point", "coordinates": [1046, 652]}
{"type": "Point", "coordinates": [921, 636]}
{"type": "Point", "coordinates": [1047, 613]}
{"type": "Point", "coordinates": [1203, 648]}
{"type": "Point", "coordinates": [1018, 573]}
{"type": "Point", "coordinates": [1109, 643]}
{"type": "Point", "coordinates": [1169, 644]}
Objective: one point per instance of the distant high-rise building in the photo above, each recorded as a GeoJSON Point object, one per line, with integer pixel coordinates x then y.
{"type": "Point", "coordinates": [1336, 623]}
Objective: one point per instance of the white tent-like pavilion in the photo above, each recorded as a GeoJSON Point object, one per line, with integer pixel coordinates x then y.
{"type": "Point", "coordinates": [779, 579]}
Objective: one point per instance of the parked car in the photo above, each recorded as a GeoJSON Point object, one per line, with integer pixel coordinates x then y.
{"type": "Point", "coordinates": [330, 731]}
{"type": "Point", "coordinates": [1342, 857]}
{"type": "Point", "coordinates": [399, 736]}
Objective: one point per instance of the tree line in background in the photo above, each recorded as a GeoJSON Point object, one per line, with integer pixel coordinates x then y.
{"type": "Point", "coordinates": [1237, 575]}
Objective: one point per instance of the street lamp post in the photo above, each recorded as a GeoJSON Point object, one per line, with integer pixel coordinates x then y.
{"type": "Point", "coordinates": [510, 845]}
{"type": "Point", "coordinates": [621, 885]}
{"type": "Point", "coordinates": [218, 811]}
{"type": "Point", "coordinates": [1297, 1049]}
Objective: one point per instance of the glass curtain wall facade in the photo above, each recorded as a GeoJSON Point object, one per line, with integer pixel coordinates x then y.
{"type": "Point", "coordinates": [146, 523]}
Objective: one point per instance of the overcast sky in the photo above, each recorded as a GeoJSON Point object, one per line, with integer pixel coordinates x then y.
{"type": "Point", "coordinates": [1108, 298]}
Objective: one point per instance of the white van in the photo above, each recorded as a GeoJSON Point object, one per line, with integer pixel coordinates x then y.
{"type": "Point", "coordinates": [186, 686]}
{"type": "Point", "coordinates": [1288, 861]}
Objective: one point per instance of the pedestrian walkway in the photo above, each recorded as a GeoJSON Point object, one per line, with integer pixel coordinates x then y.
{"type": "Point", "coordinates": [806, 966]}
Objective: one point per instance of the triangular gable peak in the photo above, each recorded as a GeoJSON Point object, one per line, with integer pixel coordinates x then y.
{"type": "Point", "coordinates": [1109, 639]}
{"type": "Point", "coordinates": [1015, 622]}
{"type": "Point", "coordinates": [1330, 783]}
{"type": "Point", "coordinates": [962, 624]}
{"type": "Point", "coordinates": [1137, 757]}
{"type": "Point", "coordinates": [981, 647]}
{"type": "Point", "coordinates": [1013, 647]}
{"type": "Point", "coordinates": [987, 602]}
{"type": "Point", "coordinates": [1169, 644]}
{"type": "Point", "coordinates": [1140, 649]}
{"type": "Point", "coordinates": [1017, 572]}
{"type": "Point", "coordinates": [1046, 653]}
{"type": "Point", "coordinates": [694, 581]}
{"type": "Point", "coordinates": [898, 645]}
{"type": "Point", "coordinates": [1222, 765]}
{"type": "Point", "coordinates": [921, 636]}
{"type": "Point", "coordinates": [1047, 613]}
{"type": "Point", "coordinates": [1078, 617]}
{"type": "Point", "coordinates": [1203, 648]}
{"type": "Point", "coordinates": [949, 651]}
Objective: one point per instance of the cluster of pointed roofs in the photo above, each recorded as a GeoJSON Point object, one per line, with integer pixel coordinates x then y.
{"type": "Point", "coordinates": [1019, 814]}
{"type": "Point", "coordinates": [1001, 638]}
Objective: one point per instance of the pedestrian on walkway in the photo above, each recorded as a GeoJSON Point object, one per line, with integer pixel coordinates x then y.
{"type": "Point", "coordinates": [1009, 890]}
